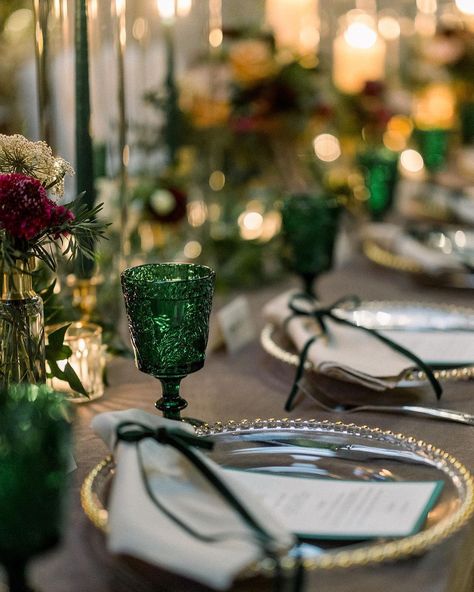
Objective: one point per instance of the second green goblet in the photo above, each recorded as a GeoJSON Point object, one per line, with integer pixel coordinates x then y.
{"type": "Point", "coordinates": [168, 307]}
{"type": "Point", "coordinates": [309, 228]}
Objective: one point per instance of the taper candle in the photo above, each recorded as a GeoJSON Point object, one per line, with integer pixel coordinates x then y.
{"type": "Point", "coordinates": [84, 152]}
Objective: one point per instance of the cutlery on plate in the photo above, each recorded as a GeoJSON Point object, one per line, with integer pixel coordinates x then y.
{"type": "Point", "coordinates": [329, 404]}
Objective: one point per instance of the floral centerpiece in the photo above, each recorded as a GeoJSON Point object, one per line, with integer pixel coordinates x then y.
{"type": "Point", "coordinates": [246, 115]}
{"type": "Point", "coordinates": [34, 227]}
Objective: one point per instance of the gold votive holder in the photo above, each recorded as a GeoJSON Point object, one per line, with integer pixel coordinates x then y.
{"type": "Point", "coordinates": [87, 359]}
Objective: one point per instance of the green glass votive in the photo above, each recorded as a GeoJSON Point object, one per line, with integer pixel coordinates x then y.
{"type": "Point", "coordinates": [168, 307]}
{"type": "Point", "coordinates": [433, 145]}
{"type": "Point", "coordinates": [380, 170]}
{"type": "Point", "coordinates": [309, 228]}
{"type": "Point", "coordinates": [35, 455]}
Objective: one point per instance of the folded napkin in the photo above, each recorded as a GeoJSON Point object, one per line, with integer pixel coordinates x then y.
{"type": "Point", "coordinates": [137, 527]}
{"type": "Point", "coordinates": [345, 353]}
{"type": "Point", "coordinates": [395, 239]}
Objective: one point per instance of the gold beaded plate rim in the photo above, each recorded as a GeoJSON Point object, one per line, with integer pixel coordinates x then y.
{"type": "Point", "coordinates": [381, 552]}
{"type": "Point", "coordinates": [412, 379]}
{"type": "Point", "coordinates": [386, 258]}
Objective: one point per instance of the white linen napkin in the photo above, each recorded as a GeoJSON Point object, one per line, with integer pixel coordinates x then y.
{"type": "Point", "coordinates": [347, 354]}
{"type": "Point", "coordinates": [140, 529]}
{"type": "Point", "coordinates": [394, 238]}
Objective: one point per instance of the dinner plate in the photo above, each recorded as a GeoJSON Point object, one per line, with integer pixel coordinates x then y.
{"type": "Point", "coordinates": [393, 316]}
{"type": "Point", "coordinates": [313, 449]}
{"type": "Point", "coordinates": [450, 240]}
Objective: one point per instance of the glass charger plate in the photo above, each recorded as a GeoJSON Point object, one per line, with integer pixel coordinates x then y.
{"type": "Point", "coordinates": [312, 449]}
{"type": "Point", "coordinates": [383, 256]}
{"type": "Point", "coordinates": [380, 315]}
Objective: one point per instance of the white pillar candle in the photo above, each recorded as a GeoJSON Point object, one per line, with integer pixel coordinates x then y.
{"type": "Point", "coordinates": [295, 24]}
{"type": "Point", "coordinates": [358, 57]}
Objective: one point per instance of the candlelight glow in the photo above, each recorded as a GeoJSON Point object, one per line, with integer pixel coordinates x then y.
{"type": "Point", "coordinates": [183, 7]}
{"type": "Point", "coordinates": [217, 180]}
{"type": "Point", "coordinates": [389, 28]}
{"type": "Point", "coordinates": [197, 213]}
{"type": "Point", "coordinates": [295, 25]}
{"type": "Point", "coordinates": [435, 107]}
{"type": "Point", "coordinates": [327, 147]}
{"type": "Point", "coordinates": [427, 6]}
{"type": "Point", "coordinates": [215, 37]}
{"type": "Point", "coordinates": [465, 6]}
{"type": "Point", "coordinates": [139, 28]}
{"type": "Point", "coordinates": [358, 56]}
{"type": "Point", "coordinates": [166, 9]}
{"type": "Point", "coordinates": [19, 21]}
{"type": "Point", "coordinates": [192, 249]}
{"type": "Point", "coordinates": [120, 6]}
{"type": "Point", "coordinates": [360, 36]}
{"type": "Point", "coordinates": [425, 24]}
{"type": "Point", "coordinates": [411, 161]}
{"type": "Point", "coordinates": [251, 225]}
{"type": "Point", "coordinates": [252, 220]}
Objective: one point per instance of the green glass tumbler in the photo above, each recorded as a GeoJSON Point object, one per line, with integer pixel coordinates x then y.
{"type": "Point", "coordinates": [35, 455]}
{"type": "Point", "coordinates": [168, 307]}
{"type": "Point", "coordinates": [380, 170]}
{"type": "Point", "coordinates": [309, 229]}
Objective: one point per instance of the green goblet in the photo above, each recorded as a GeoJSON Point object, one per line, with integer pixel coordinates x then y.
{"type": "Point", "coordinates": [434, 147]}
{"type": "Point", "coordinates": [380, 169]}
{"type": "Point", "coordinates": [309, 228]}
{"type": "Point", "coordinates": [34, 460]}
{"type": "Point", "coordinates": [168, 307]}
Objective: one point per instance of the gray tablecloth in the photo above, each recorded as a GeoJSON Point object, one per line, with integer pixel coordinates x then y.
{"type": "Point", "coordinates": [248, 385]}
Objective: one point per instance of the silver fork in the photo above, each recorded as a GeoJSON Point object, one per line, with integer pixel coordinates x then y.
{"type": "Point", "coordinates": [329, 404]}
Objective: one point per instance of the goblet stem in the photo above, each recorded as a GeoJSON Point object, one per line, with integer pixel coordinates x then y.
{"type": "Point", "coordinates": [309, 279]}
{"type": "Point", "coordinates": [171, 402]}
{"type": "Point", "coordinates": [16, 573]}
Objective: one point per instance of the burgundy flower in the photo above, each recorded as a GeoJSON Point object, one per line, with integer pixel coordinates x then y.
{"type": "Point", "coordinates": [25, 208]}
{"type": "Point", "coordinates": [60, 216]}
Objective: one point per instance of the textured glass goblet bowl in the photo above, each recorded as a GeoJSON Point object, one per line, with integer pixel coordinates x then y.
{"type": "Point", "coordinates": [309, 229]}
{"type": "Point", "coordinates": [168, 307]}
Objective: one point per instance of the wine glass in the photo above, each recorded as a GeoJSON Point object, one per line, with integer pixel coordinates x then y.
{"type": "Point", "coordinates": [34, 460]}
{"type": "Point", "coordinates": [168, 307]}
{"type": "Point", "coordinates": [309, 228]}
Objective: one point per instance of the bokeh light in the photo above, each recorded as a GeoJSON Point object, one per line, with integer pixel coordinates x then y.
{"type": "Point", "coordinates": [327, 147]}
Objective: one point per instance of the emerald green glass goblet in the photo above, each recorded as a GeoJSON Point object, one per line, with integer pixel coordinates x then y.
{"type": "Point", "coordinates": [168, 307]}
{"type": "Point", "coordinates": [309, 228]}
{"type": "Point", "coordinates": [34, 460]}
{"type": "Point", "coordinates": [434, 147]}
{"type": "Point", "coordinates": [380, 169]}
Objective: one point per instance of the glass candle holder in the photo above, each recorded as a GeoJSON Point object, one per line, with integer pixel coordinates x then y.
{"type": "Point", "coordinates": [87, 359]}
{"type": "Point", "coordinates": [35, 453]}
